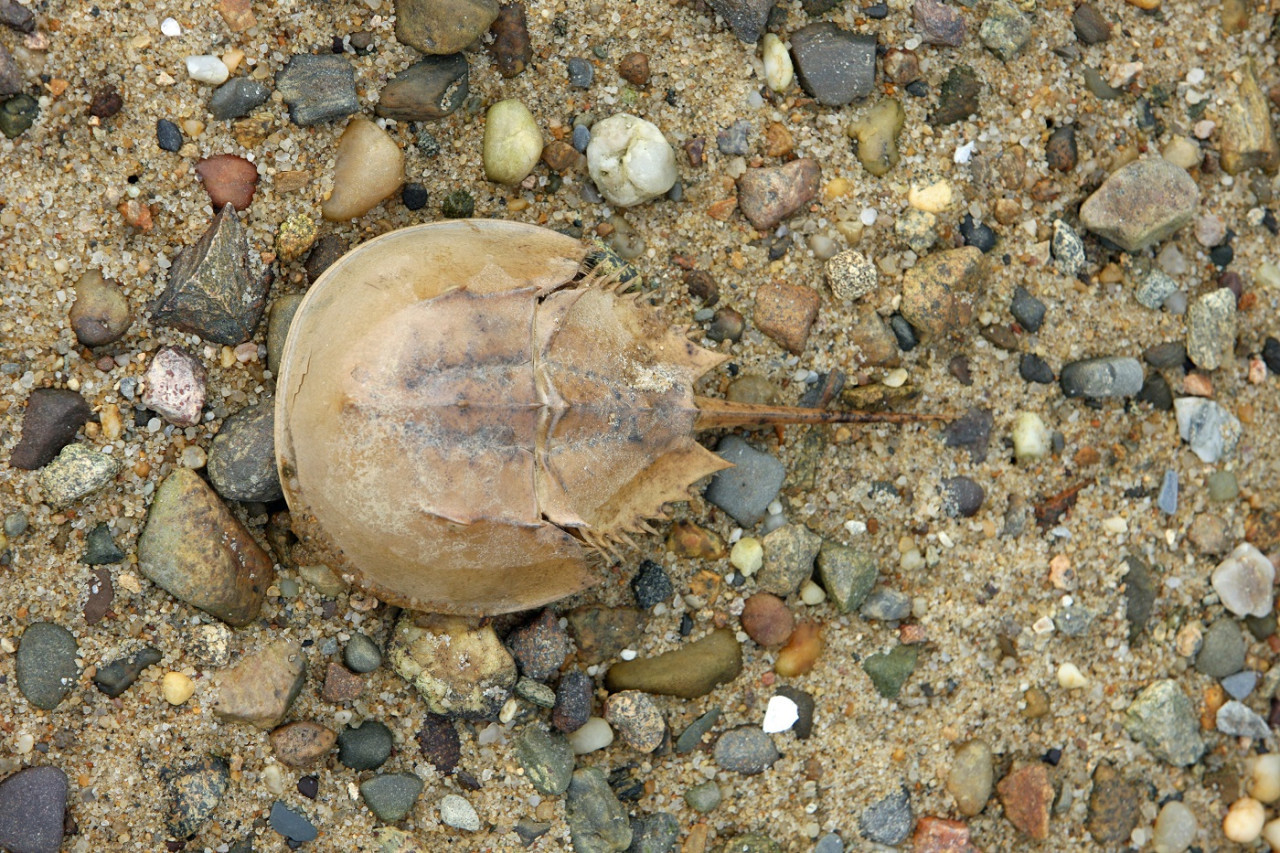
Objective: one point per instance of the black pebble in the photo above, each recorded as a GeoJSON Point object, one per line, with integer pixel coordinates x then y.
{"type": "Point", "coordinates": [1156, 392]}
{"type": "Point", "coordinates": [117, 676]}
{"type": "Point", "coordinates": [1271, 354]}
{"type": "Point", "coordinates": [651, 585]}
{"type": "Point", "coordinates": [1168, 354]}
{"type": "Point", "coordinates": [918, 89]}
{"type": "Point", "coordinates": [1027, 310]}
{"type": "Point", "coordinates": [290, 824]}
{"type": "Point", "coordinates": [902, 330]}
{"type": "Point", "coordinates": [877, 11]}
{"type": "Point", "coordinates": [581, 74]}
{"type": "Point", "coordinates": [1222, 255]}
{"type": "Point", "coordinates": [168, 136]}
{"type": "Point", "coordinates": [962, 496]}
{"type": "Point", "coordinates": [309, 786]}
{"type": "Point", "coordinates": [971, 430]}
{"type": "Point", "coordinates": [977, 234]}
{"type": "Point", "coordinates": [414, 196]}
{"type": "Point", "coordinates": [99, 548]}
{"type": "Point", "coordinates": [1033, 368]}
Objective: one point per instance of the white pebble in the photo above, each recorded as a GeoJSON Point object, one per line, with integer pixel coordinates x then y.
{"type": "Point", "coordinates": [1030, 437]}
{"type": "Point", "coordinates": [896, 378]}
{"type": "Point", "coordinates": [934, 198]}
{"type": "Point", "coordinates": [627, 654]}
{"type": "Point", "coordinates": [780, 715]}
{"type": "Point", "coordinates": [778, 70]}
{"type": "Point", "coordinates": [1244, 820]}
{"type": "Point", "coordinates": [1195, 76]}
{"type": "Point", "coordinates": [1264, 777]}
{"type": "Point", "coordinates": [273, 778]}
{"type": "Point", "coordinates": [1181, 151]}
{"type": "Point", "coordinates": [176, 688]}
{"type": "Point", "coordinates": [594, 734]}
{"type": "Point", "coordinates": [1070, 677]}
{"type": "Point", "coordinates": [630, 160]}
{"type": "Point", "coordinates": [747, 555]}
{"type": "Point", "coordinates": [171, 28]}
{"type": "Point", "coordinates": [207, 69]}
{"type": "Point", "coordinates": [1271, 834]}
{"type": "Point", "coordinates": [1175, 828]}
{"type": "Point", "coordinates": [512, 142]}
{"type": "Point", "coordinates": [458, 813]}
{"type": "Point", "coordinates": [964, 153]}
{"type": "Point", "coordinates": [812, 594]}
{"type": "Point", "coordinates": [869, 216]}
{"type": "Point", "coordinates": [368, 168]}
{"type": "Point", "coordinates": [1243, 581]}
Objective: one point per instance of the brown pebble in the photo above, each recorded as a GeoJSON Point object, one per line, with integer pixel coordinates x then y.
{"type": "Point", "coordinates": [634, 68]}
{"type": "Point", "coordinates": [101, 592]}
{"type": "Point", "coordinates": [136, 214]}
{"type": "Point", "coordinates": [229, 179]}
{"type": "Point", "coordinates": [778, 141]}
{"type": "Point", "coordinates": [341, 684]}
{"type": "Point", "coordinates": [1060, 151]}
{"type": "Point", "coordinates": [694, 149]}
{"type": "Point", "coordinates": [438, 739]}
{"type": "Point", "coordinates": [901, 66]}
{"type": "Point", "coordinates": [767, 620]}
{"type": "Point", "coordinates": [560, 156]}
{"type": "Point", "coordinates": [322, 255]}
{"type": "Point", "coordinates": [940, 835]}
{"type": "Point", "coordinates": [801, 652]}
{"type": "Point", "coordinates": [1114, 806]}
{"type": "Point", "coordinates": [106, 102]}
{"type": "Point", "coordinates": [1026, 795]}
{"type": "Point", "coordinates": [786, 312]}
{"type": "Point", "coordinates": [100, 313]}
{"type": "Point", "coordinates": [511, 48]}
{"type": "Point", "coordinates": [959, 368]}
{"type": "Point", "coordinates": [1037, 703]}
{"type": "Point", "coordinates": [702, 286]}
{"type": "Point", "coordinates": [937, 293]}
{"type": "Point", "coordinates": [303, 743]}
{"type": "Point", "coordinates": [769, 195]}
{"type": "Point", "coordinates": [238, 15]}
{"type": "Point", "coordinates": [687, 539]}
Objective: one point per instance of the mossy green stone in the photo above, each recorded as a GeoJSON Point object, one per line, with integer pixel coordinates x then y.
{"type": "Point", "coordinates": [889, 670]}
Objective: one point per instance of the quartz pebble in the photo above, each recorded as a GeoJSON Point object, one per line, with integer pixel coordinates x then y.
{"type": "Point", "coordinates": [207, 69]}
{"type": "Point", "coordinates": [512, 142]}
{"type": "Point", "coordinates": [1263, 783]}
{"type": "Point", "coordinates": [177, 688]}
{"type": "Point", "coordinates": [1175, 828]}
{"type": "Point", "coordinates": [594, 734]}
{"type": "Point", "coordinates": [1209, 429]}
{"type": "Point", "coordinates": [1236, 719]}
{"type": "Point", "coordinates": [630, 160]}
{"type": "Point", "coordinates": [175, 386]}
{"type": "Point", "coordinates": [1244, 821]}
{"type": "Point", "coordinates": [368, 169]}
{"type": "Point", "coordinates": [778, 68]}
{"type": "Point", "coordinates": [1243, 581]}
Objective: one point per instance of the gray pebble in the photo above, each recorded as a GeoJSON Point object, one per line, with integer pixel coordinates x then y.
{"type": "Point", "coordinates": [318, 88]}
{"type": "Point", "coordinates": [291, 824]}
{"type": "Point", "coordinates": [15, 524]}
{"type": "Point", "coordinates": [704, 797]}
{"type": "Point", "coordinates": [745, 490]}
{"type": "Point", "coordinates": [1163, 719]}
{"type": "Point", "coordinates": [1240, 685]}
{"type": "Point", "coordinates": [1211, 430]}
{"type": "Point", "coordinates": [1141, 204]}
{"type": "Point", "coordinates": [432, 88]}
{"type": "Point", "coordinates": [33, 805]}
{"type": "Point", "coordinates": [1223, 486]}
{"type": "Point", "coordinates": [734, 139]}
{"type": "Point", "coordinates": [691, 737]}
{"type": "Point", "coordinates": [1223, 650]}
{"type": "Point", "coordinates": [455, 811]}
{"type": "Point", "coordinates": [654, 833]}
{"type": "Point", "coordinates": [366, 746]}
{"type": "Point", "coordinates": [242, 456]}
{"type": "Point", "coordinates": [1026, 309]}
{"type": "Point", "coordinates": [391, 796]}
{"type": "Point", "coordinates": [536, 692]}
{"type": "Point", "coordinates": [1211, 329]}
{"type": "Point", "coordinates": [100, 549]}
{"type": "Point", "coordinates": [237, 97]}
{"type": "Point", "coordinates": [962, 497]}
{"type": "Point", "coordinates": [46, 664]}
{"type": "Point", "coordinates": [361, 654]}
{"type": "Point", "coordinates": [597, 821]}
{"type": "Point", "coordinates": [886, 605]}
{"type": "Point", "coordinates": [1167, 500]}
{"type": "Point", "coordinates": [1154, 288]}
{"type": "Point", "coordinates": [747, 750]}
{"type": "Point", "coordinates": [834, 65]}
{"type": "Point", "coordinates": [581, 74]}
{"type": "Point", "coordinates": [846, 574]}
{"type": "Point", "coordinates": [1073, 620]}
{"type": "Point", "coordinates": [116, 677]}
{"type": "Point", "coordinates": [1167, 354]}
{"type": "Point", "coordinates": [546, 758]}
{"type": "Point", "coordinates": [1238, 720]}
{"type": "Point", "coordinates": [889, 820]}
{"type": "Point", "coordinates": [581, 137]}
{"type": "Point", "coordinates": [1097, 378]}
{"type": "Point", "coordinates": [829, 843]}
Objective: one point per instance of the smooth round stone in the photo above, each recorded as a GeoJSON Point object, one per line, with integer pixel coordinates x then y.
{"type": "Point", "coordinates": [1027, 309]}
{"type": "Point", "coordinates": [972, 777]}
{"type": "Point", "coordinates": [592, 735]}
{"type": "Point", "coordinates": [1244, 821]}
{"type": "Point", "coordinates": [546, 758]}
{"type": "Point", "coordinates": [369, 168]}
{"type": "Point", "coordinates": [458, 813]}
{"type": "Point", "coordinates": [33, 805]}
{"type": "Point", "coordinates": [302, 743]}
{"type": "Point", "coordinates": [443, 26]}
{"type": "Point", "coordinates": [1175, 828]}
{"type": "Point", "coordinates": [704, 797]}
{"type": "Point", "coordinates": [237, 98]}
{"type": "Point", "coordinates": [851, 274]}
{"type": "Point", "coordinates": [100, 313]}
{"type": "Point", "coordinates": [512, 142]}
{"type": "Point", "coordinates": [1030, 437]}
{"type": "Point", "coordinates": [365, 747]}
{"type": "Point", "coordinates": [207, 69]}
{"type": "Point", "coordinates": [630, 160]}
{"type": "Point", "coordinates": [746, 750]}
{"type": "Point", "coordinates": [1243, 581]}
{"type": "Point", "coordinates": [1098, 378]}
{"type": "Point", "coordinates": [292, 825]}
{"type": "Point", "coordinates": [779, 71]}
{"type": "Point", "coordinates": [1223, 486]}
{"type": "Point", "coordinates": [242, 462]}
{"type": "Point", "coordinates": [391, 796]}
{"type": "Point", "coordinates": [1263, 782]}
{"type": "Point", "coordinates": [361, 654]}
{"type": "Point", "coordinates": [46, 664]}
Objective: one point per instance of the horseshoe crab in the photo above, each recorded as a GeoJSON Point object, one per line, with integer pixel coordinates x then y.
{"type": "Point", "coordinates": [464, 415]}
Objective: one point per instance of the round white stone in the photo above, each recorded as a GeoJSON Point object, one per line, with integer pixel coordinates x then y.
{"type": "Point", "coordinates": [1244, 820]}
{"type": "Point", "coordinates": [747, 555]}
{"type": "Point", "coordinates": [630, 160]}
{"type": "Point", "coordinates": [1070, 677]}
{"type": "Point", "coordinates": [1175, 828]}
{"type": "Point", "coordinates": [778, 69]}
{"type": "Point", "coordinates": [171, 28]}
{"type": "Point", "coordinates": [1264, 777]}
{"type": "Point", "coordinates": [512, 142]}
{"type": "Point", "coordinates": [780, 714]}
{"type": "Point", "coordinates": [1243, 581]}
{"type": "Point", "coordinates": [1030, 437]}
{"type": "Point", "coordinates": [594, 734]}
{"type": "Point", "coordinates": [207, 69]}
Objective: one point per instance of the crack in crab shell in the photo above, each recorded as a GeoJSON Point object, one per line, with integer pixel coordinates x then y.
{"type": "Point", "coordinates": [451, 402]}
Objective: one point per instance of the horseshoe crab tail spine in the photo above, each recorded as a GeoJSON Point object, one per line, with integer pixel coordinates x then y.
{"type": "Point", "coordinates": [714, 413]}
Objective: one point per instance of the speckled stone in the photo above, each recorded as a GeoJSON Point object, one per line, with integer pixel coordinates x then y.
{"type": "Point", "coordinates": [242, 462]}
{"type": "Point", "coordinates": [789, 553]}
{"type": "Point", "coordinates": [635, 716]}
{"type": "Point", "coordinates": [1141, 204]}
{"type": "Point", "coordinates": [194, 791]}
{"type": "Point", "coordinates": [1211, 329]}
{"type": "Point", "coordinates": [303, 743]}
{"type": "Point", "coordinates": [546, 757]}
{"type": "Point", "coordinates": [541, 647]}
{"type": "Point", "coordinates": [1005, 30]}
{"type": "Point", "coordinates": [746, 18]}
{"type": "Point", "coordinates": [46, 664]}
{"type": "Point", "coordinates": [746, 750]}
{"type": "Point", "coordinates": [847, 574]}
{"type": "Point", "coordinates": [33, 805]}
{"type": "Point", "coordinates": [1163, 719]}
{"type": "Point", "coordinates": [1027, 796]}
{"type": "Point", "coordinates": [261, 687]}
{"type": "Point", "coordinates": [460, 670]}
{"type": "Point", "coordinates": [888, 820]}
{"type": "Point", "coordinates": [769, 194]}
{"type": "Point", "coordinates": [318, 87]}
{"type": "Point", "coordinates": [76, 472]}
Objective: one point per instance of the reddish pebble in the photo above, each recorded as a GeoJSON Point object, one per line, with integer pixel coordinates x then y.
{"type": "Point", "coordinates": [341, 684]}
{"type": "Point", "coordinates": [939, 835]}
{"type": "Point", "coordinates": [634, 68]}
{"type": "Point", "coordinates": [229, 180]}
{"type": "Point", "coordinates": [912, 634]}
{"type": "Point", "coordinates": [174, 384]}
{"type": "Point", "coordinates": [767, 620]}
{"type": "Point", "coordinates": [1027, 795]}
{"type": "Point", "coordinates": [136, 213]}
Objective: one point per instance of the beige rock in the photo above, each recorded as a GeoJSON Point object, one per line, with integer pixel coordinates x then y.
{"type": "Point", "coordinates": [177, 688]}
{"type": "Point", "coordinates": [259, 689]}
{"type": "Point", "coordinates": [1248, 137]}
{"type": "Point", "coordinates": [460, 670]}
{"type": "Point", "coordinates": [512, 142]}
{"type": "Point", "coordinates": [369, 169]}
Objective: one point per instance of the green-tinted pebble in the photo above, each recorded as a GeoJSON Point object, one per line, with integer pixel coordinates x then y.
{"type": "Point", "coordinates": [889, 670]}
{"type": "Point", "coordinates": [1223, 486]}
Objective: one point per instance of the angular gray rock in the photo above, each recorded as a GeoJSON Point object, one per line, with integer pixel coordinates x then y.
{"type": "Point", "coordinates": [1141, 204]}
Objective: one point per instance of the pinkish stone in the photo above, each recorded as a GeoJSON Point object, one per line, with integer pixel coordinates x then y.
{"type": "Point", "coordinates": [175, 386]}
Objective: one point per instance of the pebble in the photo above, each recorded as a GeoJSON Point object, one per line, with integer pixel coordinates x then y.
{"type": "Point", "coordinates": [1035, 369]}
{"type": "Point", "coordinates": [1248, 138]}
{"type": "Point", "coordinates": [207, 69]}
{"type": "Point", "coordinates": [746, 18]}
{"type": "Point", "coordinates": [439, 743]}
{"type": "Point", "coordinates": [293, 825]}
{"type": "Point", "coordinates": [1162, 718]}
{"type": "Point", "coordinates": [890, 670]}
{"type": "Point", "coordinates": [1027, 310]}
{"type": "Point", "coordinates": [1241, 684]}
{"type": "Point", "coordinates": [1209, 429]}
{"type": "Point", "coordinates": [100, 315]}
{"type": "Point", "coordinates": [789, 552]}
{"type": "Point", "coordinates": [366, 746]}
{"type": "Point", "coordinates": [536, 693]}
{"type": "Point", "coordinates": [601, 633]}
{"type": "Point", "coordinates": [1223, 486]}
{"type": "Point", "coordinates": [431, 88]}
{"type": "Point", "coordinates": [546, 758]}
{"type": "Point", "coordinates": [1211, 329]}
{"type": "Point", "coordinates": [46, 665]}
{"type": "Point", "coordinates": [1154, 289]}
{"type": "Point", "coordinates": [391, 796]}
{"type": "Point", "coordinates": [1209, 534]}
{"type": "Point", "coordinates": [460, 670]}
{"type": "Point", "coordinates": [938, 23]}
{"type": "Point", "coordinates": [692, 670]}
{"type": "Point", "coordinates": [573, 701]}
{"type": "Point", "coordinates": [14, 14]}
{"type": "Point", "coordinates": [455, 811]}
{"type": "Point", "coordinates": [228, 179]}
{"type": "Point", "coordinates": [1142, 203]}
{"type": "Point", "coordinates": [540, 647]}
{"type": "Point", "coordinates": [234, 99]}
{"type": "Point", "coordinates": [847, 574]}
{"type": "Point", "coordinates": [876, 133]}
{"type": "Point", "coordinates": [745, 490]}
{"type": "Point", "coordinates": [634, 68]}
{"type": "Point", "coordinates": [786, 313]}
{"type": "Point", "coordinates": [119, 675]}
{"type": "Point", "coordinates": [511, 48]}
{"type": "Point", "coordinates": [779, 71]}
{"type": "Point", "coordinates": [886, 605]}
{"type": "Point", "coordinates": [361, 654]}
{"type": "Point", "coordinates": [76, 472]}
{"type": "Point", "coordinates": [210, 291]}
{"type": "Point", "coordinates": [958, 96]}
{"type": "Point", "coordinates": [918, 230]}
{"type": "Point", "coordinates": [1175, 828]}
{"type": "Point", "coordinates": [938, 292]}
{"type": "Point", "coordinates": [888, 820]}
{"type": "Point", "coordinates": [1027, 797]}
{"type": "Point", "coordinates": [1068, 249]}
{"type": "Point", "coordinates": [100, 548]}
{"type": "Point", "coordinates": [971, 777]}
{"type": "Point", "coordinates": [835, 66]}
{"type": "Point", "coordinates": [592, 735]}
{"type": "Point", "coordinates": [198, 552]}
{"type": "Point", "coordinates": [735, 139]}
{"type": "Point", "coordinates": [851, 275]}
{"type": "Point", "coordinates": [341, 684]}
{"type": "Point", "coordinates": [177, 688]}
{"type": "Point", "coordinates": [1099, 378]}
{"type": "Point", "coordinates": [513, 143]}
{"type": "Point", "coordinates": [962, 497]}
{"type": "Point", "coordinates": [18, 113]}
{"type": "Point", "coordinates": [597, 821]}
{"type": "Point", "coordinates": [651, 586]}
{"type": "Point", "coordinates": [175, 386]}
{"type": "Point", "coordinates": [1243, 581]}
{"type": "Point", "coordinates": [634, 715]}
{"type": "Point", "coordinates": [368, 169]}
{"type": "Point", "coordinates": [767, 620]}
{"type": "Point", "coordinates": [1005, 31]}
{"type": "Point", "coordinates": [1061, 152]}
{"type": "Point", "coordinates": [319, 87]}
{"type": "Point", "coordinates": [780, 714]}
{"type": "Point", "coordinates": [1236, 719]}
{"type": "Point", "coordinates": [1167, 500]}
{"type": "Point", "coordinates": [33, 805]}
{"type": "Point", "coordinates": [1169, 354]}
{"type": "Point", "coordinates": [1091, 26]}
{"type": "Point", "coordinates": [703, 798]}
{"type": "Point", "coordinates": [260, 688]}
{"type": "Point", "coordinates": [194, 791]}
{"type": "Point", "coordinates": [978, 234]}
{"type": "Point", "coordinates": [746, 750]}
{"type": "Point", "coordinates": [630, 160]}
{"type": "Point", "coordinates": [581, 75]}
{"type": "Point", "coordinates": [50, 422]}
